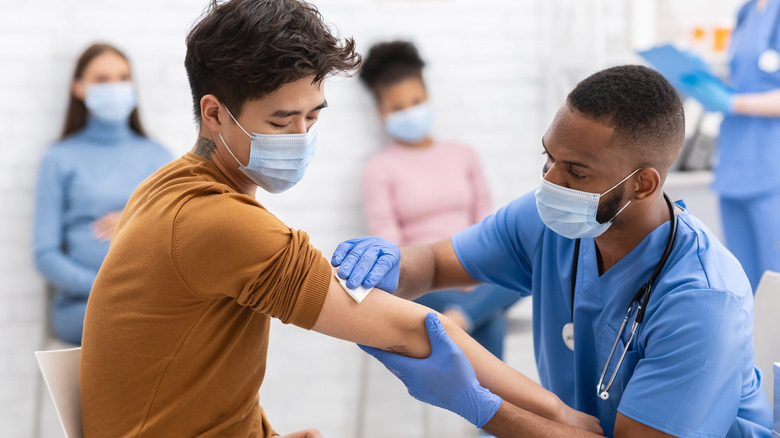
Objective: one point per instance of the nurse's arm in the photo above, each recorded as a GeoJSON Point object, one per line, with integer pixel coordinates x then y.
{"type": "Point", "coordinates": [389, 323]}
{"type": "Point", "coordinates": [765, 104]}
{"type": "Point", "coordinates": [626, 427]}
{"type": "Point", "coordinates": [511, 421]}
{"type": "Point", "coordinates": [425, 268]}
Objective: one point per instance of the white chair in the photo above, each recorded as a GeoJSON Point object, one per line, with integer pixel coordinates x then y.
{"type": "Point", "coordinates": [766, 315]}
{"type": "Point", "coordinates": [60, 369]}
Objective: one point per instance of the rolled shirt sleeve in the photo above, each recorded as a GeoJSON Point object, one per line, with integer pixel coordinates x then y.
{"type": "Point", "coordinates": [240, 250]}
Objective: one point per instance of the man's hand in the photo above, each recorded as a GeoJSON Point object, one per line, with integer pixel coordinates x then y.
{"type": "Point", "coordinates": [105, 226]}
{"type": "Point", "coordinates": [308, 433]}
{"type": "Point", "coordinates": [444, 379]}
{"type": "Point", "coordinates": [368, 261]}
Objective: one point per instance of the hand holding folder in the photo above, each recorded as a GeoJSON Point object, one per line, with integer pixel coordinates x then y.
{"type": "Point", "coordinates": [691, 75]}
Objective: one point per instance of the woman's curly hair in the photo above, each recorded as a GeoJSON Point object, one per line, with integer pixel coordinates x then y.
{"type": "Point", "coordinates": [243, 50]}
{"type": "Point", "coordinates": [389, 63]}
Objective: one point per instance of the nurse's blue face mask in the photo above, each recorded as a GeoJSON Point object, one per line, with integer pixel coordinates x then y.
{"type": "Point", "coordinates": [277, 162]}
{"type": "Point", "coordinates": [572, 213]}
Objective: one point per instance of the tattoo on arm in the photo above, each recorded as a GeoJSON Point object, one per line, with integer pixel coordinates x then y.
{"type": "Point", "coordinates": [205, 147]}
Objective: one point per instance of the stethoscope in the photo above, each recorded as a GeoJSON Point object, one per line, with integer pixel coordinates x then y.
{"type": "Point", "coordinates": [769, 59]}
{"type": "Point", "coordinates": [638, 304]}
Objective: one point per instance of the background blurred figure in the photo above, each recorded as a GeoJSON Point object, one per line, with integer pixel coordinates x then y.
{"type": "Point", "coordinates": [747, 176]}
{"type": "Point", "coordinates": [86, 179]}
{"type": "Point", "coordinates": [419, 190]}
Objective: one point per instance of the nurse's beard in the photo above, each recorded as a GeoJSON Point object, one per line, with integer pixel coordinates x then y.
{"type": "Point", "coordinates": [610, 206]}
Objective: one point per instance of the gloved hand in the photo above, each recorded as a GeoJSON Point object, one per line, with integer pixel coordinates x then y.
{"type": "Point", "coordinates": [370, 261]}
{"type": "Point", "coordinates": [702, 65]}
{"type": "Point", "coordinates": [709, 92]}
{"type": "Point", "coordinates": [444, 379]}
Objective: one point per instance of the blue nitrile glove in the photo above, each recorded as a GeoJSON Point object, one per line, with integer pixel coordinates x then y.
{"type": "Point", "coordinates": [709, 92]}
{"type": "Point", "coordinates": [444, 379]}
{"type": "Point", "coordinates": [693, 56]}
{"type": "Point", "coordinates": [370, 261]}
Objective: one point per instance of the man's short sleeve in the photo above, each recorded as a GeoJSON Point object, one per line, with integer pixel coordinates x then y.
{"type": "Point", "coordinates": [688, 382]}
{"type": "Point", "coordinates": [500, 248]}
{"type": "Point", "coordinates": [227, 245]}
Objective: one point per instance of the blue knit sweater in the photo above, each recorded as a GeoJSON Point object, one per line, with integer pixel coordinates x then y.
{"type": "Point", "coordinates": [89, 174]}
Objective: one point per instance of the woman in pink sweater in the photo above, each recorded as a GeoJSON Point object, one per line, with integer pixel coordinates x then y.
{"type": "Point", "coordinates": [419, 189]}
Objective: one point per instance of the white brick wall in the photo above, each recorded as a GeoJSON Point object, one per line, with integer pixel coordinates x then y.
{"type": "Point", "coordinates": [486, 77]}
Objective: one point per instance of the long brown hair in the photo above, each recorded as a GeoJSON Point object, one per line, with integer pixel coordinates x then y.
{"type": "Point", "coordinates": [76, 116]}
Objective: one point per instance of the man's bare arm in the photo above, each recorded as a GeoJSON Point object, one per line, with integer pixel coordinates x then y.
{"type": "Point", "coordinates": [390, 323]}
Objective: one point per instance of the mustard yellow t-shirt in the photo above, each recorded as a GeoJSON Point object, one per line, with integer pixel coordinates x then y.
{"type": "Point", "coordinates": [176, 331]}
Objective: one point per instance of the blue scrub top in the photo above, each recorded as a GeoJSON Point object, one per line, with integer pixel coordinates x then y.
{"type": "Point", "coordinates": [690, 370]}
{"type": "Point", "coordinates": [749, 147]}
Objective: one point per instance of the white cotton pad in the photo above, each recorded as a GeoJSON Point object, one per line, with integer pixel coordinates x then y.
{"type": "Point", "coordinates": [358, 293]}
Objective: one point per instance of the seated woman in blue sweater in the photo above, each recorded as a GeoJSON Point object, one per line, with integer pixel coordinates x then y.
{"type": "Point", "coordinates": [85, 180]}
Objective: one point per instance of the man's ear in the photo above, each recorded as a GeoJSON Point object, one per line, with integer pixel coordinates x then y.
{"type": "Point", "coordinates": [648, 181]}
{"type": "Point", "coordinates": [209, 113]}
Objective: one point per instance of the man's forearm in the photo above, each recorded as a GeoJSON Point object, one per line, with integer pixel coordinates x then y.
{"type": "Point", "coordinates": [503, 380]}
{"type": "Point", "coordinates": [511, 421]}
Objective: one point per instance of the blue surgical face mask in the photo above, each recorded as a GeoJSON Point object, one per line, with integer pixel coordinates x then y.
{"type": "Point", "coordinates": [111, 102]}
{"type": "Point", "coordinates": [572, 213]}
{"type": "Point", "coordinates": [277, 162]}
{"type": "Point", "coordinates": [410, 125]}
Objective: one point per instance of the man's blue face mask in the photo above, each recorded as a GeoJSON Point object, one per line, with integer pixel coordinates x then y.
{"type": "Point", "coordinates": [572, 213]}
{"type": "Point", "coordinates": [277, 162]}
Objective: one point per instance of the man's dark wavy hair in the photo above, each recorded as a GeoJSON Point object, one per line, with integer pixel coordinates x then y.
{"type": "Point", "coordinates": [243, 50]}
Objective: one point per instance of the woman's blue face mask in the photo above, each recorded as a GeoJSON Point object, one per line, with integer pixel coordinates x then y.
{"type": "Point", "coordinates": [410, 125]}
{"type": "Point", "coordinates": [111, 102]}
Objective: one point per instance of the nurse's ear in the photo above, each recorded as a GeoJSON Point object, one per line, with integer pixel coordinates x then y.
{"type": "Point", "coordinates": [647, 182]}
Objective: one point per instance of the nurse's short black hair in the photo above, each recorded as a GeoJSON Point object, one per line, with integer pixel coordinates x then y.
{"type": "Point", "coordinates": [641, 105]}
{"type": "Point", "coordinates": [390, 62]}
{"type": "Point", "coordinates": [243, 50]}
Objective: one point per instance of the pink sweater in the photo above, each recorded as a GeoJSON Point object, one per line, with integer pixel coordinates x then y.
{"type": "Point", "coordinates": [423, 195]}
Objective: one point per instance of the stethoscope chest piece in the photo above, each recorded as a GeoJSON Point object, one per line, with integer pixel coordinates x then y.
{"type": "Point", "coordinates": [568, 335]}
{"type": "Point", "coordinates": [769, 61]}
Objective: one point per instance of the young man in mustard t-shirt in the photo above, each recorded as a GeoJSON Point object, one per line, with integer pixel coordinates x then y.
{"type": "Point", "coordinates": [176, 330]}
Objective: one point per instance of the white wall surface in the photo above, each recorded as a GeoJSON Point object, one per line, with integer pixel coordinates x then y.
{"type": "Point", "coordinates": [487, 75]}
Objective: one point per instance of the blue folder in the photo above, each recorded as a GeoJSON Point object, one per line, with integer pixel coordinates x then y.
{"type": "Point", "coordinates": [676, 65]}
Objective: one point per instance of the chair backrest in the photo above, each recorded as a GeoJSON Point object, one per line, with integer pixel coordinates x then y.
{"type": "Point", "coordinates": [60, 369]}
{"type": "Point", "coordinates": [766, 314]}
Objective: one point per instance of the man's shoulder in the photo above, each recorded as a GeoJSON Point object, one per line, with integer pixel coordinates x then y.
{"type": "Point", "coordinates": [700, 262]}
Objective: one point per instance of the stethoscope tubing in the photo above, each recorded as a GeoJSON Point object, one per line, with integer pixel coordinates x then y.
{"type": "Point", "coordinates": [641, 298]}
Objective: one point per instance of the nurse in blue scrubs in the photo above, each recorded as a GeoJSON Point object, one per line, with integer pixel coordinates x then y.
{"type": "Point", "coordinates": [585, 245]}
{"type": "Point", "coordinates": [747, 176]}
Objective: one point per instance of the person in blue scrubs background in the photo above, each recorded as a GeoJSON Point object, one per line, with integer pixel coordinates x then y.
{"type": "Point", "coordinates": [85, 181]}
{"type": "Point", "coordinates": [689, 370]}
{"type": "Point", "coordinates": [747, 174]}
